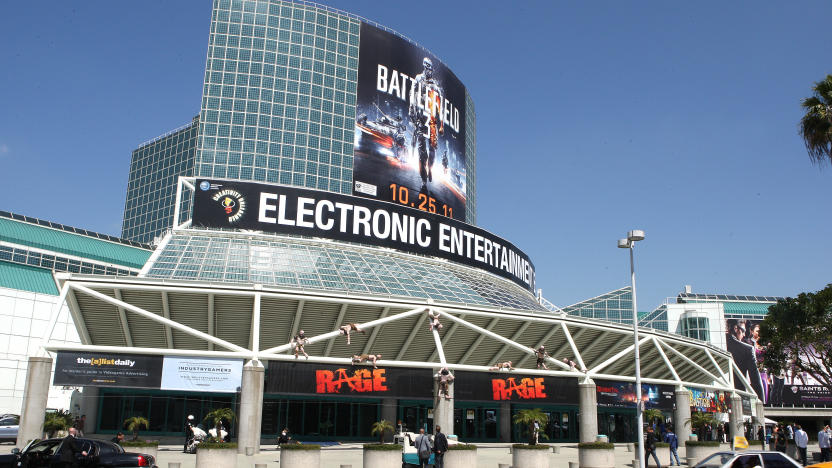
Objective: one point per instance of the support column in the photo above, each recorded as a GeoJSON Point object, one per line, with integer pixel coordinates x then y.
{"type": "Point", "coordinates": [735, 422]}
{"type": "Point", "coordinates": [388, 413]}
{"type": "Point", "coordinates": [251, 407]}
{"type": "Point", "coordinates": [681, 415]}
{"type": "Point", "coordinates": [759, 418]}
{"type": "Point", "coordinates": [505, 421]}
{"type": "Point", "coordinates": [35, 395]}
{"type": "Point", "coordinates": [443, 410]}
{"type": "Point", "coordinates": [588, 411]}
{"type": "Point", "coordinates": [89, 407]}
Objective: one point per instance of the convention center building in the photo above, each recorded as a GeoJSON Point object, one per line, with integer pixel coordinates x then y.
{"type": "Point", "coordinates": [306, 252]}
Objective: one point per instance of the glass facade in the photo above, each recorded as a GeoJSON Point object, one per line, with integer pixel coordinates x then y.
{"type": "Point", "coordinates": [151, 187]}
{"type": "Point", "coordinates": [614, 306]}
{"type": "Point", "coordinates": [695, 326]}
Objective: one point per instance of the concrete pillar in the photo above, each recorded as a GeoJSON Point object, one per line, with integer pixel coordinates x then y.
{"type": "Point", "coordinates": [35, 395]}
{"type": "Point", "coordinates": [759, 418]}
{"type": "Point", "coordinates": [251, 407]}
{"type": "Point", "coordinates": [388, 413]}
{"type": "Point", "coordinates": [681, 415]}
{"type": "Point", "coordinates": [443, 409]}
{"type": "Point", "coordinates": [89, 407]}
{"type": "Point", "coordinates": [505, 421]}
{"type": "Point", "coordinates": [588, 411]}
{"type": "Point", "coordinates": [735, 418]}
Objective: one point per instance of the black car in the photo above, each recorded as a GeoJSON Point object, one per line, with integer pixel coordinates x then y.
{"type": "Point", "coordinates": [46, 454]}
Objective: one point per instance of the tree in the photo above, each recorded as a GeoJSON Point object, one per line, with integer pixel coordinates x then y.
{"type": "Point", "coordinates": [525, 418]}
{"type": "Point", "coordinates": [653, 414]}
{"type": "Point", "coordinates": [380, 427]}
{"type": "Point", "coordinates": [798, 336]}
{"type": "Point", "coordinates": [218, 416]}
{"type": "Point", "coordinates": [55, 421]}
{"type": "Point", "coordinates": [697, 421]}
{"type": "Point", "coordinates": [135, 424]}
{"type": "Point", "coordinates": [816, 124]}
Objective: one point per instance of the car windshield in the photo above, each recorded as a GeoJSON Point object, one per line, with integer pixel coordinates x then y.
{"type": "Point", "coordinates": [716, 460]}
{"type": "Point", "coordinates": [9, 422]}
{"type": "Point", "coordinates": [47, 447]}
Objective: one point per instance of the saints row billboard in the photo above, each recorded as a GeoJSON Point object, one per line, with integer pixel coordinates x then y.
{"type": "Point", "coordinates": [121, 370]}
{"type": "Point", "coordinates": [787, 388]}
{"type": "Point", "coordinates": [410, 126]}
{"type": "Point", "coordinates": [314, 213]}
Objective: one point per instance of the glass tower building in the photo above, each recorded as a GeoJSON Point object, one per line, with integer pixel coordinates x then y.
{"type": "Point", "coordinates": [278, 106]}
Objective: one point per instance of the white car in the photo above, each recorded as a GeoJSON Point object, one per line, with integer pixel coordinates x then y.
{"type": "Point", "coordinates": [8, 428]}
{"type": "Point", "coordinates": [748, 459]}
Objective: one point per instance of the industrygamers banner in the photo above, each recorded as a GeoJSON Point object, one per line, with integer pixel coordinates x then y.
{"type": "Point", "coordinates": [108, 370]}
{"type": "Point", "coordinates": [478, 386]}
{"type": "Point", "coordinates": [198, 374]}
{"type": "Point", "coordinates": [302, 378]}
{"type": "Point", "coordinates": [314, 213]}
{"type": "Point", "coordinates": [623, 395]}
{"type": "Point", "coordinates": [790, 387]}
{"type": "Point", "coordinates": [410, 126]}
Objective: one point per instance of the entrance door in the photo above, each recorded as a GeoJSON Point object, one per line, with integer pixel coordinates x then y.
{"type": "Point", "coordinates": [477, 424]}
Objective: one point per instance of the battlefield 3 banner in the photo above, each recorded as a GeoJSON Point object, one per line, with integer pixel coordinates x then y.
{"type": "Point", "coordinates": [410, 127]}
{"type": "Point", "coordinates": [314, 213]}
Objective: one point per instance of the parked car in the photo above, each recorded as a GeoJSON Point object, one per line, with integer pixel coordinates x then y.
{"type": "Point", "coordinates": [8, 428]}
{"type": "Point", "coordinates": [101, 454]}
{"type": "Point", "coordinates": [748, 459]}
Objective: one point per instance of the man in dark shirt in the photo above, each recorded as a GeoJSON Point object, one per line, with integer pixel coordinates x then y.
{"type": "Point", "coordinates": [440, 446]}
{"type": "Point", "coordinates": [69, 449]}
{"type": "Point", "coordinates": [118, 439]}
{"type": "Point", "coordinates": [650, 446]}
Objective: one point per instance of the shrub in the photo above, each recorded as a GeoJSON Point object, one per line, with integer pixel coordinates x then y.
{"type": "Point", "coordinates": [662, 444]}
{"type": "Point", "coordinates": [300, 447]}
{"type": "Point", "coordinates": [216, 445]}
{"type": "Point", "coordinates": [530, 447]}
{"type": "Point", "coordinates": [596, 445]}
{"type": "Point", "coordinates": [383, 447]}
{"type": "Point", "coordinates": [140, 443]}
{"type": "Point", "coordinates": [701, 443]}
{"type": "Point", "coordinates": [462, 447]}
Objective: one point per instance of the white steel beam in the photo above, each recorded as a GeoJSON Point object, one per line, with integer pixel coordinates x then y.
{"type": "Point", "coordinates": [78, 318]}
{"type": "Point", "coordinates": [53, 317]}
{"type": "Point", "coordinates": [617, 356]}
{"type": "Point", "coordinates": [406, 345]}
{"type": "Point", "coordinates": [666, 360]}
{"type": "Point", "coordinates": [332, 334]}
{"type": "Point", "coordinates": [713, 361]}
{"type": "Point", "coordinates": [341, 314]}
{"type": "Point", "coordinates": [479, 339]}
{"type": "Point", "coordinates": [254, 342]}
{"type": "Point", "coordinates": [211, 320]}
{"type": "Point", "coordinates": [296, 320]}
{"type": "Point", "coordinates": [491, 334]}
{"type": "Point", "coordinates": [690, 361]}
{"type": "Point", "coordinates": [166, 314]}
{"type": "Point", "coordinates": [445, 339]}
{"type": "Point", "coordinates": [122, 318]}
{"type": "Point", "coordinates": [439, 350]}
{"type": "Point", "coordinates": [154, 317]}
{"type": "Point", "coordinates": [574, 348]}
{"type": "Point", "coordinates": [517, 334]}
{"type": "Point", "coordinates": [543, 341]}
{"type": "Point", "coordinates": [372, 339]}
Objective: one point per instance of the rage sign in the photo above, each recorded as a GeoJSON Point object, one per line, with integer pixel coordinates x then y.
{"type": "Point", "coordinates": [527, 389]}
{"type": "Point", "coordinates": [361, 381]}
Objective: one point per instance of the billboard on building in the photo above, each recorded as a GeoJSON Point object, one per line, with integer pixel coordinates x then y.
{"type": "Point", "coordinates": [410, 127]}
{"type": "Point", "coordinates": [613, 394]}
{"type": "Point", "coordinates": [108, 370]}
{"type": "Point", "coordinates": [789, 387]}
{"type": "Point", "coordinates": [301, 378]}
{"type": "Point", "coordinates": [314, 213]}
{"type": "Point", "coordinates": [497, 386]}
{"type": "Point", "coordinates": [198, 374]}
{"type": "Point", "coordinates": [709, 401]}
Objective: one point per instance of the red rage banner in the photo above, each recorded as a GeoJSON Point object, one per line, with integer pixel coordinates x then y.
{"type": "Point", "coordinates": [355, 381]}
{"type": "Point", "coordinates": [498, 386]}
{"type": "Point", "coordinates": [275, 208]}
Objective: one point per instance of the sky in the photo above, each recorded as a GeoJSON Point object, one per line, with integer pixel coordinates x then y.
{"type": "Point", "coordinates": [593, 118]}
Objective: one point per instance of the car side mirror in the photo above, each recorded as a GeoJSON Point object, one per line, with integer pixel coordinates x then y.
{"type": "Point", "coordinates": [15, 451]}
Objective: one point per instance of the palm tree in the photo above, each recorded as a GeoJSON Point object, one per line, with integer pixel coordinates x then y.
{"type": "Point", "coordinates": [380, 427]}
{"type": "Point", "coordinates": [816, 124]}
{"type": "Point", "coordinates": [134, 424]}
{"type": "Point", "coordinates": [525, 418]}
{"type": "Point", "coordinates": [55, 421]}
{"type": "Point", "coordinates": [698, 421]}
{"type": "Point", "coordinates": [652, 414]}
{"type": "Point", "coordinates": [218, 416]}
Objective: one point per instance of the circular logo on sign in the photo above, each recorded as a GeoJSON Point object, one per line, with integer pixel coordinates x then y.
{"type": "Point", "coordinates": [205, 185]}
{"type": "Point", "coordinates": [232, 203]}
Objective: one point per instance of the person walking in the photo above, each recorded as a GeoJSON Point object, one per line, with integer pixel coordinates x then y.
{"type": "Point", "coordinates": [781, 442]}
{"type": "Point", "coordinates": [650, 446]}
{"type": "Point", "coordinates": [823, 443]}
{"type": "Point", "coordinates": [761, 434]}
{"type": "Point", "coordinates": [801, 440]}
{"type": "Point", "coordinates": [422, 444]}
{"type": "Point", "coordinates": [440, 446]}
{"type": "Point", "coordinates": [720, 433]}
{"type": "Point", "coordinates": [673, 443]}
{"type": "Point", "coordinates": [70, 448]}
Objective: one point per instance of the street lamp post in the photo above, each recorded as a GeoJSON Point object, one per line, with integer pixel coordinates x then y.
{"type": "Point", "coordinates": [629, 243]}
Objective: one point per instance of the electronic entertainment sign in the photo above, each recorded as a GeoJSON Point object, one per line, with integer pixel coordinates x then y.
{"type": "Point", "coordinates": [410, 127]}
{"type": "Point", "coordinates": [315, 213]}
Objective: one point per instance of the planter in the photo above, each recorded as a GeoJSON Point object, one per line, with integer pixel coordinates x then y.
{"type": "Point", "coordinates": [530, 456]}
{"type": "Point", "coordinates": [696, 451]}
{"type": "Point", "coordinates": [596, 455]}
{"type": "Point", "coordinates": [145, 448]}
{"type": "Point", "coordinates": [461, 456]}
{"type": "Point", "coordinates": [663, 453]}
{"type": "Point", "coordinates": [301, 456]}
{"type": "Point", "coordinates": [207, 457]}
{"type": "Point", "coordinates": [379, 456]}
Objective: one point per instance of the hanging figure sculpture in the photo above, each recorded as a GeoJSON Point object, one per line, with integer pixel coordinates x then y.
{"type": "Point", "coordinates": [541, 357]}
{"type": "Point", "coordinates": [502, 365]}
{"type": "Point", "coordinates": [298, 342]}
{"type": "Point", "coordinates": [348, 328]}
{"type": "Point", "coordinates": [445, 378]}
{"type": "Point", "coordinates": [434, 321]}
{"type": "Point", "coordinates": [371, 358]}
